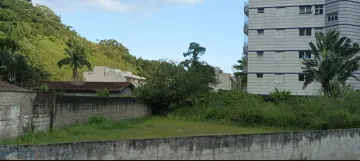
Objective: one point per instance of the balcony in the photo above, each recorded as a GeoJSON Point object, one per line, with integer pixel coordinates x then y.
{"type": "Point", "coordinates": [246, 28]}
{"type": "Point", "coordinates": [246, 8]}
{"type": "Point", "coordinates": [245, 49]}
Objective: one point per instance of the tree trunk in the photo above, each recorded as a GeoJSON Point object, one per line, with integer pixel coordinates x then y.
{"type": "Point", "coordinates": [326, 89]}
{"type": "Point", "coordinates": [75, 74]}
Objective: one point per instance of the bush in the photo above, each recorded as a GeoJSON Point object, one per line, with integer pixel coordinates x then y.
{"type": "Point", "coordinates": [103, 93]}
{"type": "Point", "coordinates": [279, 96]}
{"type": "Point", "coordinates": [44, 88]}
{"type": "Point", "coordinates": [316, 112]}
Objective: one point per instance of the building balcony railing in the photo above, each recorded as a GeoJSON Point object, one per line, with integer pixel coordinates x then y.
{"type": "Point", "coordinates": [246, 8]}
{"type": "Point", "coordinates": [245, 48]}
{"type": "Point", "coordinates": [246, 28]}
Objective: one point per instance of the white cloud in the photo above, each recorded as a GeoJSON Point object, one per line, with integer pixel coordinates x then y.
{"type": "Point", "coordinates": [120, 6]}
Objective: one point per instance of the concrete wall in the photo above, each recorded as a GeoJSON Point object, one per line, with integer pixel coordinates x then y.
{"type": "Point", "coordinates": [70, 110]}
{"type": "Point", "coordinates": [29, 111]}
{"type": "Point", "coordinates": [311, 145]}
{"type": "Point", "coordinates": [126, 92]}
{"type": "Point", "coordinates": [15, 113]}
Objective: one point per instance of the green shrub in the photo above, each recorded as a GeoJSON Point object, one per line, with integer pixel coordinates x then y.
{"type": "Point", "coordinates": [44, 88]}
{"type": "Point", "coordinates": [103, 93]}
{"type": "Point", "coordinates": [316, 112]}
{"type": "Point", "coordinates": [280, 95]}
{"type": "Point", "coordinates": [97, 119]}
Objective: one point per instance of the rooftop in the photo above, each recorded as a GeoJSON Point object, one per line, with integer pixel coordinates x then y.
{"type": "Point", "coordinates": [82, 86]}
{"type": "Point", "coordinates": [4, 86]}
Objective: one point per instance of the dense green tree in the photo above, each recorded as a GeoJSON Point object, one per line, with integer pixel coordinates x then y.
{"type": "Point", "coordinates": [334, 61]}
{"type": "Point", "coordinates": [175, 85]}
{"type": "Point", "coordinates": [76, 57]}
{"type": "Point", "coordinates": [15, 66]}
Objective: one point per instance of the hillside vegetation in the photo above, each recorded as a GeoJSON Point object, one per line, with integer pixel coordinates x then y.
{"type": "Point", "coordinates": [42, 38]}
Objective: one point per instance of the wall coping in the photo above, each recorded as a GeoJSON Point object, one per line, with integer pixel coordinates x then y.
{"type": "Point", "coordinates": [306, 133]}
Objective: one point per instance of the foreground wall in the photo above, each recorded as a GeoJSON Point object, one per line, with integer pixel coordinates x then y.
{"type": "Point", "coordinates": [333, 144]}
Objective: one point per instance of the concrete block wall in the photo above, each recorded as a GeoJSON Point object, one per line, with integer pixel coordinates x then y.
{"type": "Point", "coordinates": [15, 113]}
{"type": "Point", "coordinates": [309, 145]}
{"type": "Point", "coordinates": [21, 112]}
{"type": "Point", "coordinates": [70, 110]}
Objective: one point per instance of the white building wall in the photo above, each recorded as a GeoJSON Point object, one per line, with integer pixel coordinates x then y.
{"type": "Point", "coordinates": [106, 74]}
{"type": "Point", "coordinates": [275, 51]}
{"type": "Point", "coordinates": [226, 80]}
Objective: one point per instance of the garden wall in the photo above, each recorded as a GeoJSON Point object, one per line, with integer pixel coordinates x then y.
{"type": "Point", "coordinates": [310, 145]}
{"type": "Point", "coordinates": [31, 111]}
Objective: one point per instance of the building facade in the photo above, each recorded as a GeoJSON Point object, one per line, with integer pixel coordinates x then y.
{"type": "Point", "coordinates": [106, 74]}
{"type": "Point", "coordinates": [279, 32]}
{"type": "Point", "coordinates": [226, 80]}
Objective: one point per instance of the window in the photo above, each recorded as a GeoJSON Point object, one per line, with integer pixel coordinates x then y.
{"type": "Point", "coordinates": [279, 78]}
{"type": "Point", "coordinates": [305, 32]}
{"type": "Point", "coordinates": [259, 75]}
{"type": "Point", "coordinates": [332, 17]}
{"type": "Point", "coordinates": [280, 12]}
{"type": "Point", "coordinates": [301, 77]}
{"type": "Point", "coordinates": [319, 10]}
{"type": "Point", "coordinates": [305, 9]}
{"type": "Point", "coordinates": [260, 53]}
{"type": "Point", "coordinates": [280, 34]}
{"type": "Point", "coordinates": [304, 54]}
{"type": "Point", "coordinates": [261, 10]}
{"type": "Point", "coordinates": [279, 56]}
{"type": "Point", "coordinates": [260, 32]}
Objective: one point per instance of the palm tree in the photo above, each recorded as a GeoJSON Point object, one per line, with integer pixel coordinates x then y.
{"type": "Point", "coordinates": [76, 57]}
{"type": "Point", "coordinates": [334, 61]}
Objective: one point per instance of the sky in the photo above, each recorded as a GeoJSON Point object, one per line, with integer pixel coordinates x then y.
{"type": "Point", "coordinates": [160, 29]}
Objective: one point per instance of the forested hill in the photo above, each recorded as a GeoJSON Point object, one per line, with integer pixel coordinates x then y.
{"type": "Point", "coordinates": [42, 37]}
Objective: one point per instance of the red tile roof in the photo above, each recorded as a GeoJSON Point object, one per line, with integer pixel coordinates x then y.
{"type": "Point", "coordinates": [81, 86]}
{"type": "Point", "coordinates": [4, 86]}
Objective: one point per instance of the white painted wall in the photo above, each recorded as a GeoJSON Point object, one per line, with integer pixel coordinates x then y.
{"type": "Point", "coordinates": [226, 80]}
{"type": "Point", "coordinates": [106, 74]}
{"type": "Point", "coordinates": [281, 22]}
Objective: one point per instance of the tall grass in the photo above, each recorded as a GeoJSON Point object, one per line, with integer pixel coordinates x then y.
{"type": "Point", "coordinates": [301, 113]}
{"type": "Point", "coordinates": [79, 132]}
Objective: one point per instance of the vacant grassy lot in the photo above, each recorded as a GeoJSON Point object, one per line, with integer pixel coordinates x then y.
{"type": "Point", "coordinates": [99, 128]}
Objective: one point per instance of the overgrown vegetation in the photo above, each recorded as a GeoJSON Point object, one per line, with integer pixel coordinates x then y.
{"type": "Point", "coordinates": [103, 93]}
{"type": "Point", "coordinates": [175, 85]}
{"type": "Point", "coordinates": [317, 112]}
{"type": "Point", "coordinates": [178, 91]}
{"type": "Point", "coordinates": [101, 128]}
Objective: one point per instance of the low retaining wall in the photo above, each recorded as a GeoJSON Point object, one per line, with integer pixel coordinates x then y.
{"type": "Point", "coordinates": [331, 144]}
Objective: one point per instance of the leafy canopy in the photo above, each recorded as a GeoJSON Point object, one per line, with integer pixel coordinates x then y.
{"type": "Point", "coordinates": [175, 85]}
{"type": "Point", "coordinates": [333, 63]}
{"type": "Point", "coordinates": [76, 57]}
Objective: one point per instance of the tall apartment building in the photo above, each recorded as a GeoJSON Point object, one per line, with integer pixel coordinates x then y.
{"type": "Point", "coordinates": [279, 32]}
